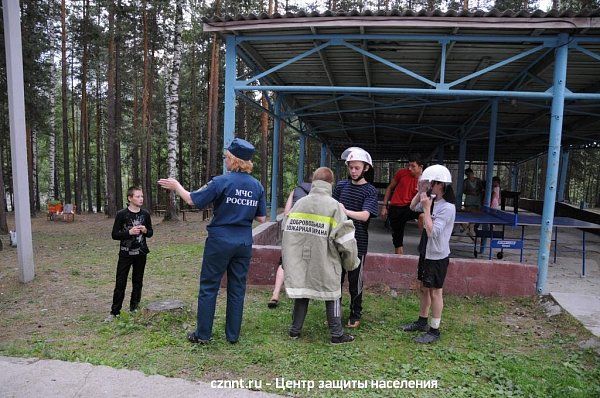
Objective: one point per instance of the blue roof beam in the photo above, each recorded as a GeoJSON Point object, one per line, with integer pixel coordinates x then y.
{"type": "Point", "coordinates": [319, 103]}
{"type": "Point", "coordinates": [497, 65]}
{"type": "Point", "coordinates": [415, 91]}
{"type": "Point", "coordinates": [388, 63]}
{"type": "Point", "coordinates": [288, 62]}
{"type": "Point", "coordinates": [548, 40]}
{"type": "Point", "coordinates": [399, 106]}
{"type": "Point", "coordinates": [587, 52]}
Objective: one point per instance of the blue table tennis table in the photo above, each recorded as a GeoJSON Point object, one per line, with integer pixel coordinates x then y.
{"type": "Point", "coordinates": [492, 217]}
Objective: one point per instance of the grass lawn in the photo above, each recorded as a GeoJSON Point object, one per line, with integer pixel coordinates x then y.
{"type": "Point", "coordinates": [490, 347]}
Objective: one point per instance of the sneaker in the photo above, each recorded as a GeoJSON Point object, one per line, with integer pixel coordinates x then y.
{"type": "Point", "coordinates": [294, 335]}
{"type": "Point", "coordinates": [353, 323]}
{"type": "Point", "coordinates": [415, 327]}
{"type": "Point", "coordinates": [110, 318]}
{"type": "Point", "coordinates": [192, 338]}
{"type": "Point", "coordinates": [273, 303]}
{"type": "Point", "coordinates": [345, 338]}
{"type": "Point", "coordinates": [427, 338]}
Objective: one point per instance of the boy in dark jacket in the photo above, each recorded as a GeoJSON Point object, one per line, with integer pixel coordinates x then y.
{"type": "Point", "coordinates": [132, 226]}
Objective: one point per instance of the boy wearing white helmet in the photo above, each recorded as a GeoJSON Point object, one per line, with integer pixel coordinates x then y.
{"type": "Point", "coordinates": [436, 200]}
{"type": "Point", "coordinates": [359, 201]}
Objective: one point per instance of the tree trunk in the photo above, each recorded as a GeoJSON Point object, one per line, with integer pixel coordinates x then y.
{"type": "Point", "coordinates": [52, 177]}
{"type": "Point", "coordinates": [264, 142]}
{"type": "Point", "coordinates": [84, 127]}
{"type": "Point", "coordinates": [111, 207]}
{"type": "Point", "coordinates": [195, 131]}
{"type": "Point", "coordinates": [213, 107]}
{"type": "Point", "coordinates": [213, 102]}
{"type": "Point", "coordinates": [281, 163]}
{"type": "Point", "coordinates": [30, 169]}
{"type": "Point", "coordinates": [65, 127]}
{"type": "Point", "coordinates": [77, 142]}
{"type": "Point", "coordinates": [173, 100]}
{"type": "Point", "coordinates": [3, 221]}
{"type": "Point", "coordinates": [99, 168]}
{"type": "Point", "coordinates": [146, 119]}
{"type": "Point", "coordinates": [135, 145]}
{"type": "Point", "coordinates": [118, 109]}
{"type": "Point", "coordinates": [34, 170]}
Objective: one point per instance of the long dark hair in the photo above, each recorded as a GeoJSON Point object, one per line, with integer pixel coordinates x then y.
{"type": "Point", "coordinates": [449, 195]}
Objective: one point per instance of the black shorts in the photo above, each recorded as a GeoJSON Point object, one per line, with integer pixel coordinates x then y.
{"type": "Point", "coordinates": [432, 272]}
{"type": "Point", "coordinates": [398, 216]}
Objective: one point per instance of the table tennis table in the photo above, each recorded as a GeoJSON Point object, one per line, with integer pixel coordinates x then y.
{"type": "Point", "coordinates": [491, 217]}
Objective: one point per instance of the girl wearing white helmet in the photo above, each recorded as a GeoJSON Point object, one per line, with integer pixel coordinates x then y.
{"type": "Point", "coordinates": [359, 201]}
{"type": "Point", "coordinates": [436, 200]}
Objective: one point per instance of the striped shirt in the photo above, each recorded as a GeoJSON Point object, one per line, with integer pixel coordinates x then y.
{"type": "Point", "coordinates": [358, 198]}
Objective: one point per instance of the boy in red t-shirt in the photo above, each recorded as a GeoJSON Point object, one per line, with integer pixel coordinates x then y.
{"type": "Point", "coordinates": [404, 188]}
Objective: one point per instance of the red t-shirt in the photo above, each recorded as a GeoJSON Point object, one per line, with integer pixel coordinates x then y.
{"type": "Point", "coordinates": [406, 188]}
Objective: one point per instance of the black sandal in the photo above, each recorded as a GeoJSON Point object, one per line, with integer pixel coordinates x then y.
{"type": "Point", "coordinates": [273, 303]}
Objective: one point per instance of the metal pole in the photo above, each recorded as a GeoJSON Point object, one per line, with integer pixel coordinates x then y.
{"type": "Point", "coordinates": [230, 78]}
{"type": "Point", "coordinates": [323, 154]}
{"type": "Point", "coordinates": [462, 155]}
{"type": "Point", "coordinates": [514, 177]}
{"type": "Point", "coordinates": [556, 121]}
{"type": "Point", "coordinates": [491, 152]}
{"type": "Point", "coordinates": [18, 142]}
{"type": "Point", "coordinates": [301, 159]}
{"type": "Point", "coordinates": [564, 167]}
{"type": "Point", "coordinates": [275, 165]}
{"type": "Point", "coordinates": [489, 170]}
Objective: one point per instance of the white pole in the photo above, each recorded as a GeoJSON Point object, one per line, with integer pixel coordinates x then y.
{"type": "Point", "coordinates": [18, 143]}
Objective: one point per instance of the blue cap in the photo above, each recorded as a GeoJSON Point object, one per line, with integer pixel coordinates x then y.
{"type": "Point", "coordinates": [241, 149]}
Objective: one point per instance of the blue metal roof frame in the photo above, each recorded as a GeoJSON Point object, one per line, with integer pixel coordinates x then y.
{"type": "Point", "coordinates": [400, 82]}
{"type": "Point", "coordinates": [462, 86]}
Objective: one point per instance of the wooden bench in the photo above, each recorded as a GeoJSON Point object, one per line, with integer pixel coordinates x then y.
{"type": "Point", "coordinates": [159, 210]}
{"type": "Point", "coordinates": [60, 213]}
{"type": "Point", "coordinates": [206, 213]}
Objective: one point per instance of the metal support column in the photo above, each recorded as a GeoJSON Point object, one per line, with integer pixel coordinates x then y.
{"type": "Point", "coordinates": [514, 177]}
{"type": "Point", "coordinates": [556, 121]}
{"type": "Point", "coordinates": [462, 155]}
{"type": "Point", "coordinates": [440, 154]}
{"type": "Point", "coordinates": [564, 167]}
{"type": "Point", "coordinates": [491, 152]}
{"type": "Point", "coordinates": [489, 169]}
{"type": "Point", "coordinates": [230, 78]}
{"type": "Point", "coordinates": [323, 154]}
{"type": "Point", "coordinates": [275, 166]}
{"type": "Point", "coordinates": [18, 142]}
{"type": "Point", "coordinates": [301, 159]}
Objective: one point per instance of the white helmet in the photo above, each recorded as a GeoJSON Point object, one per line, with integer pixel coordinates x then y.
{"type": "Point", "coordinates": [436, 172]}
{"type": "Point", "coordinates": [356, 153]}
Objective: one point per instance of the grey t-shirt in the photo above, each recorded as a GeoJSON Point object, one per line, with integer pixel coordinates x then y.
{"type": "Point", "coordinates": [438, 243]}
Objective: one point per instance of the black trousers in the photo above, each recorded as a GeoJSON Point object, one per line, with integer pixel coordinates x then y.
{"type": "Point", "coordinates": [332, 309]}
{"type": "Point", "coordinates": [399, 216]}
{"type": "Point", "coordinates": [355, 286]}
{"type": "Point", "coordinates": [138, 263]}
